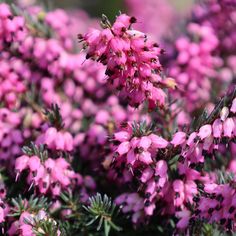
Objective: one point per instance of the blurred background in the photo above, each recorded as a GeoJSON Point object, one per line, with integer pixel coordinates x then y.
{"type": "Point", "coordinates": [159, 18]}
{"type": "Point", "coordinates": [111, 7]}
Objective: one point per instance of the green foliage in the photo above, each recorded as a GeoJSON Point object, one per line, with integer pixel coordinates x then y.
{"type": "Point", "coordinates": [75, 221]}
{"type": "Point", "coordinates": [54, 117]}
{"type": "Point", "coordinates": [102, 209]}
{"type": "Point", "coordinates": [224, 177]}
{"type": "Point", "coordinates": [105, 23]}
{"type": "Point", "coordinates": [141, 129]}
{"type": "Point", "coordinates": [34, 204]}
{"type": "Point", "coordinates": [73, 203]}
{"type": "Point", "coordinates": [33, 149]}
{"type": "Point", "coordinates": [43, 227]}
{"type": "Point", "coordinates": [201, 228]}
{"type": "Point", "coordinates": [82, 217]}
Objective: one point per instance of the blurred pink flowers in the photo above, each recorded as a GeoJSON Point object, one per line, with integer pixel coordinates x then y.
{"type": "Point", "coordinates": [163, 147]}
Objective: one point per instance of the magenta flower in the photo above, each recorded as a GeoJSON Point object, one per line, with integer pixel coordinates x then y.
{"type": "Point", "coordinates": [170, 169]}
{"type": "Point", "coordinates": [132, 61]}
{"type": "Point", "coordinates": [47, 174]}
{"type": "Point", "coordinates": [57, 140]}
{"type": "Point", "coordinates": [137, 149]}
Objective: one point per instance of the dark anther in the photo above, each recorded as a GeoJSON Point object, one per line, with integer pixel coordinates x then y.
{"type": "Point", "coordinates": [222, 221]}
{"type": "Point", "coordinates": [177, 195]}
{"type": "Point", "coordinates": [147, 195]}
{"type": "Point", "coordinates": [34, 173]}
{"type": "Point", "coordinates": [157, 178]}
{"type": "Point", "coordinates": [231, 209]}
{"type": "Point", "coordinates": [162, 51]}
{"type": "Point", "coordinates": [80, 36]}
{"type": "Point", "coordinates": [197, 212]}
{"type": "Point", "coordinates": [2, 190]}
{"type": "Point", "coordinates": [88, 56]}
{"type": "Point", "coordinates": [133, 20]}
{"type": "Point", "coordinates": [196, 199]}
{"type": "Point", "coordinates": [123, 29]}
{"type": "Point", "coordinates": [218, 207]}
{"type": "Point", "coordinates": [109, 72]}
{"type": "Point", "coordinates": [220, 198]}
{"type": "Point", "coordinates": [210, 210]}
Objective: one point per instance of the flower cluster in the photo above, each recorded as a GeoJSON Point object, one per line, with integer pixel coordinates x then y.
{"type": "Point", "coordinates": [11, 30]}
{"type": "Point", "coordinates": [56, 140]}
{"type": "Point", "coordinates": [11, 136]}
{"type": "Point", "coordinates": [149, 159]}
{"type": "Point", "coordinates": [143, 153]}
{"type": "Point", "coordinates": [220, 15]}
{"type": "Point", "coordinates": [132, 203]}
{"type": "Point", "coordinates": [12, 27]}
{"type": "Point", "coordinates": [14, 86]}
{"type": "Point", "coordinates": [29, 217]}
{"type": "Point", "coordinates": [132, 61]}
{"type": "Point", "coordinates": [217, 205]}
{"type": "Point", "coordinates": [137, 144]}
{"type": "Point", "coordinates": [195, 63]}
{"type": "Point", "coordinates": [49, 175]}
{"type": "Point", "coordinates": [163, 144]}
{"type": "Point", "coordinates": [209, 137]}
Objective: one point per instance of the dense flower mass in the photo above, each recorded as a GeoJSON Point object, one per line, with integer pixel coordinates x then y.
{"type": "Point", "coordinates": [132, 60]}
{"type": "Point", "coordinates": [220, 15]}
{"type": "Point", "coordinates": [163, 146]}
{"type": "Point", "coordinates": [195, 63]}
{"type": "Point", "coordinates": [50, 174]}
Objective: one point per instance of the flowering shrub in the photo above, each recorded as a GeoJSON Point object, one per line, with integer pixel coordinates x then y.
{"type": "Point", "coordinates": [132, 61]}
{"type": "Point", "coordinates": [116, 134]}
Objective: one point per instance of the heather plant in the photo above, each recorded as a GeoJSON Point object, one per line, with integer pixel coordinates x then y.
{"type": "Point", "coordinates": [115, 134]}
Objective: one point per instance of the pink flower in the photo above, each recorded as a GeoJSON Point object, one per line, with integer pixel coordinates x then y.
{"type": "Point", "coordinates": [57, 140]}
{"type": "Point", "coordinates": [205, 131]}
{"type": "Point", "coordinates": [21, 163]}
{"type": "Point", "coordinates": [132, 60]}
{"type": "Point", "coordinates": [145, 157]}
{"type": "Point", "coordinates": [122, 136]}
{"type": "Point", "coordinates": [228, 127]}
{"type": "Point", "coordinates": [233, 107]}
{"type": "Point", "coordinates": [224, 113]}
{"type": "Point", "coordinates": [149, 209]}
{"type": "Point", "coordinates": [157, 141]}
{"type": "Point", "coordinates": [178, 138]}
{"type": "Point", "coordinates": [50, 137]}
{"type": "Point", "coordinates": [34, 163]}
{"type": "Point", "coordinates": [178, 187]}
{"type": "Point", "coordinates": [123, 148]}
{"type": "Point", "coordinates": [184, 216]}
{"type": "Point", "coordinates": [195, 63]}
{"type": "Point", "coordinates": [147, 174]}
{"type": "Point", "coordinates": [4, 11]}
{"type": "Point", "coordinates": [217, 128]}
